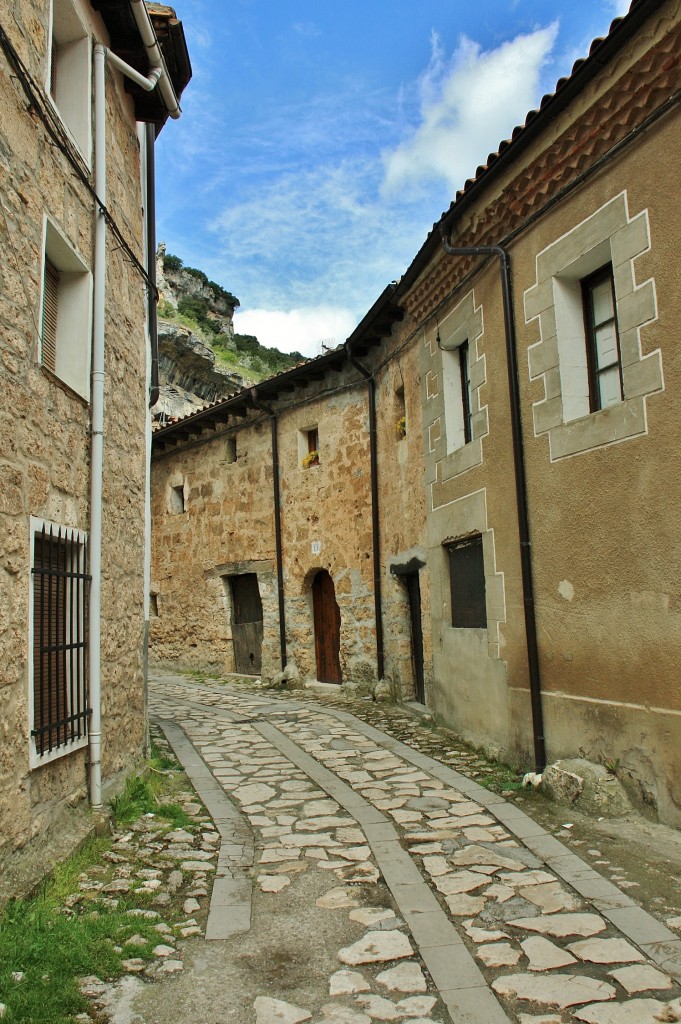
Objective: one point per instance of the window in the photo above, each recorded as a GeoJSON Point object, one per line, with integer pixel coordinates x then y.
{"type": "Point", "coordinates": [400, 413]}
{"type": "Point", "coordinates": [590, 311]}
{"type": "Point", "coordinates": [66, 313]}
{"type": "Point", "coordinates": [176, 503]}
{"type": "Point", "coordinates": [467, 583]}
{"type": "Point", "coordinates": [458, 415]}
{"type": "Point", "coordinates": [58, 639]}
{"type": "Point", "coordinates": [230, 450]}
{"type": "Point", "coordinates": [308, 447]}
{"type": "Point", "coordinates": [602, 340]}
{"type": "Point", "coordinates": [68, 78]}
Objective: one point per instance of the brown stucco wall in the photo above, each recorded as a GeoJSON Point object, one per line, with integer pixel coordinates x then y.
{"type": "Point", "coordinates": [44, 454]}
{"type": "Point", "coordinates": [603, 518]}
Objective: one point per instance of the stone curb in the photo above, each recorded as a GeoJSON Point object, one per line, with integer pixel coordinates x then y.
{"type": "Point", "coordinates": [658, 942]}
{"type": "Point", "coordinates": [230, 905]}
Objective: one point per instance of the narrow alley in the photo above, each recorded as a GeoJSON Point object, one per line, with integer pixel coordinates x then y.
{"type": "Point", "coordinates": [360, 880]}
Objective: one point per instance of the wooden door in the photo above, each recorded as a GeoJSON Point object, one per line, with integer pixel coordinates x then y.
{"type": "Point", "coordinates": [246, 624]}
{"type": "Point", "coordinates": [326, 628]}
{"type": "Point", "coordinates": [414, 594]}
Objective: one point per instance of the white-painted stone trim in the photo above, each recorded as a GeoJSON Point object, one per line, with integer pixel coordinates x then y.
{"type": "Point", "coordinates": [463, 323]}
{"type": "Point", "coordinates": [466, 516]}
{"type": "Point", "coordinates": [607, 236]}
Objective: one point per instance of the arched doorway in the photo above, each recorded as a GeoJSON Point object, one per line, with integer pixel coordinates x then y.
{"type": "Point", "coordinates": [326, 628]}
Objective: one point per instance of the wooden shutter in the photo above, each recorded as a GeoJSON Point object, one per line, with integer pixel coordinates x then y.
{"type": "Point", "coordinates": [50, 302]}
{"type": "Point", "coordinates": [467, 584]}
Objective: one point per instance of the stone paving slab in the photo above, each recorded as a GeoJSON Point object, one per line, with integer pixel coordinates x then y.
{"type": "Point", "coordinates": [490, 900]}
{"type": "Point", "coordinates": [230, 905]}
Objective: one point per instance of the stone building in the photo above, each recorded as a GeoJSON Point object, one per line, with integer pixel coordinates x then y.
{"type": "Point", "coordinates": [274, 539]}
{"type": "Point", "coordinates": [551, 373]}
{"type": "Point", "coordinates": [84, 89]}
{"type": "Point", "coordinates": [534, 503]}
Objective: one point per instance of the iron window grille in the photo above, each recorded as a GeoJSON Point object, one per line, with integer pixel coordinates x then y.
{"type": "Point", "coordinates": [60, 588]}
{"type": "Point", "coordinates": [467, 583]}
{"type": "Point", "coordinates": [604, 361]}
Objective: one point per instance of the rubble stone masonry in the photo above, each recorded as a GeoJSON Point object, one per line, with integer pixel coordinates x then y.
{"type": "Point", "coordinates": [45, 428]}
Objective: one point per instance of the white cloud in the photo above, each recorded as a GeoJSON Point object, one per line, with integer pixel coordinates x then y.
{"type": "Point", "coordinates": [467, 106]}
{"type": "Point", "coordinates": [619, 7]}
{"type": "Point", "coordinates": [297, 330]}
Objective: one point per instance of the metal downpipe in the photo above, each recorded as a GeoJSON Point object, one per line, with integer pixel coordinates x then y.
{"type": "Point", "coordinates": [375, 532]}
{"type": "Point", "coordinates": [97, 440]}
{"type": "Point", "coordinates": [152, 308]}
{"type": "Point", "coordinates": [277, 523]}
{"type": "Point", "coordinates": [520, 488]}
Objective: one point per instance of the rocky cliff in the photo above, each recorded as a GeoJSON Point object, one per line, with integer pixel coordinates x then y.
{"type": "Point", "coordinates": [189, 376]}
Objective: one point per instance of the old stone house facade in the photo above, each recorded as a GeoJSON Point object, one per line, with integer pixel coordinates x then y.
{"type": "Point", "coordinates": [274, 540]}
{"type": "Point", "coordinates": [534, 500]}
{"type": "Point", "coordinates": [76, 153]}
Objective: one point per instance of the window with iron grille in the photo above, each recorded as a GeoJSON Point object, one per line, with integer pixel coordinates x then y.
{"type": "Point", "coordinates": [467, 583]}
{"type": "Point", "coordinates": [59, 636]}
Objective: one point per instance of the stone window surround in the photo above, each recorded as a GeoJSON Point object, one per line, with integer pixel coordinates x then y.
{"type": "Point", "coordinates": [69, 44]}
{"type": "Point", "coordinates": [176, 494]}
{"type": "Point", "coordinates": [39, 760]}
{"type": "Point", "coordinates": [607, 236]}
{"type": "Point", "coordinates": [463, 323]}
{"type": "Point", "coordinates": [467, 516]}
{"type": "Point", "coordinates": [74, 310]}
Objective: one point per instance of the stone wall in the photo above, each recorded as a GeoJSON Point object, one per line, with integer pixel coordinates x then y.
{"type": "Point", "coordinates": [228, 523]}
{"type": "Point", "coordinates": [602, 503]}
{"type": "Point", "coordinates": [45, 430]}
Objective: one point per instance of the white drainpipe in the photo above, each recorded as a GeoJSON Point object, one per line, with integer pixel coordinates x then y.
{"type": "Point", "coordinates": [158, 75]}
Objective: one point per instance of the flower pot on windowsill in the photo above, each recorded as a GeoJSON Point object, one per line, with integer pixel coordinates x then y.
{"type": "Point", "coordinates": [311, 459]}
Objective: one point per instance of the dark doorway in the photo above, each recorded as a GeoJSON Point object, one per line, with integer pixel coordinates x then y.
{"type": "Point", "coordinates": [411, 581]}
{"type": "Point", "coordinates": [246, 624]}
{"type": "Point", "coordinates": [408, 574]}
{"type": "Point", "coordinates": [326, 628]}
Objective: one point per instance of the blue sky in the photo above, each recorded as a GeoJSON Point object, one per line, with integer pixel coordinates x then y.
{"type": "Point", "coordinates": [320, 142]}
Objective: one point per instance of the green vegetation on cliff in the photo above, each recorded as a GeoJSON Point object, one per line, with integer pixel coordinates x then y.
{"type": "Point", "coordinates": [239, 353]}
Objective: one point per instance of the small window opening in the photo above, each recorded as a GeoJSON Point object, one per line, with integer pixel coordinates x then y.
{"type": "Point", "coordinates": [467, 583]}
{"type": "Point", "coordinates": [401, 413]}
{"type": "Point", "coordinates": [230, 454]}
{"type": "Point", "coordinates": [311, 458]}
{"type": "Point", "coordinates": [176, 502]}
{"type": "Point", "coordinates": [153, 606]}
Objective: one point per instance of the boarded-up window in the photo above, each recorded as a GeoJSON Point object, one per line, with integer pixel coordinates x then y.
{"type": "Point", "coordinates": [50, 304]}
{"type": "Point", "coordinates": [60, 593]}
{"type": "Point", "coordinates": [467, 583]}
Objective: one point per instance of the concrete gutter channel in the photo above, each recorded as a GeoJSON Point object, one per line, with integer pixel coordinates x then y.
{"type": "Point", "coordinates": [461, 984]}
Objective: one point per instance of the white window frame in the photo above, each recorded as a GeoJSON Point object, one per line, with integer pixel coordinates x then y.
{"type": "Point", "coordinates": [463, 324]}
{"type": "Point", "coordinates": [69, 45]}
{"type": "Point", "coordinates": [37, 759]}
{"type": "Point", "coordinates": [73, 343]}
{"type": "Point", "coordinates": [608, 236]}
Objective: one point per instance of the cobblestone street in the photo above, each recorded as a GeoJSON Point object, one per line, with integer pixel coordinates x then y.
{"type": "Point", "coordinates": [360, 880]}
